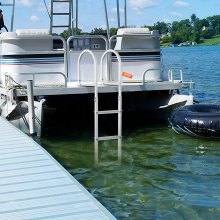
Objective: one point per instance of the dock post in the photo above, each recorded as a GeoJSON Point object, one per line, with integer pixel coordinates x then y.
{"type": "Point", "coordinates": [30, 95]}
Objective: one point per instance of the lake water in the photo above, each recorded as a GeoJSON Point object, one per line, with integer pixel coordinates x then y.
{"type": "Point", "coordinates": [162, 175]}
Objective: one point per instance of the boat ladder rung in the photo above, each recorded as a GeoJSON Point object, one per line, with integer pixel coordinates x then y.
{"type": "Point", "coordinates": [106, 138]}
{"type": "Point", "coordinates": [55, 4]}
{"type": "Point", "coordinates": [60, 26]}
{"type": "Point", "coordinates": [106, 112]}
{"type": "Point", "coordinates": [62, 0]}
{"type": "Point", "coordinates": [59, 13]}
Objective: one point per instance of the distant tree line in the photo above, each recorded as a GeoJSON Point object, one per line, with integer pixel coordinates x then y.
{"type": "Point", "coordinates": [192, 29]}
{"type": "Point", "coordinates": [189, 29]}
{"type": "Point", "coordinates": [95, 31]}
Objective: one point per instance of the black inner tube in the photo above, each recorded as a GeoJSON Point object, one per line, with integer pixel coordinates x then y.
{"type": "Point", "coordinates": [198, 119]}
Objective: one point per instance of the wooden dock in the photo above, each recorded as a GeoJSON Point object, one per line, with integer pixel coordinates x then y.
{"type": "Point", "coordinates": [33, 185]}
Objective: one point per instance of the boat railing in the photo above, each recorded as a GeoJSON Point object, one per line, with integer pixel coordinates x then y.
{"type": "Point", "coordinates": [64, 52]}
{"type": "Point", "coordinates": [19, 47]}
{"type": "Point", "coordinates": [147, 71]}
{"type": "Point", "coordinates": [173, 71]}
{"type": "Point", "coordinates": [10, 79]}
{"type": "Point", "coordinates": [179, 70]}
{"type": "Point", "coordinates": [97, 45]}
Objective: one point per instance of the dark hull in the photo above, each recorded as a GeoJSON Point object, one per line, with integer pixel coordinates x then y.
{"type": "Point", "coordinates": [72, 113]}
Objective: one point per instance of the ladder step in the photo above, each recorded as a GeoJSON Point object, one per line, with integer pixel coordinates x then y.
{"type": "Point", "coordinates": [61, 0]}
{"type": "Point", "coordinates": [60, 26]}
{"type": "Point", "coordinates": [108, 112]}
{"type": "Point", "coordinates": [59, 13]}
{"type": "Point", "coordinates": [106, 138]}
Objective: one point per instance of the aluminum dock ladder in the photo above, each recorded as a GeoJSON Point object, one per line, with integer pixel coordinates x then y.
{"type": "Point", "coordinates": [67, 15]}
{"type": "Point", "coordinates": [118, 111]}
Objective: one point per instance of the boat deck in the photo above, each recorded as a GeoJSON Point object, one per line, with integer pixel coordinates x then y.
{"type": "Point", "coordinates": [33, 185]}
{"type": "Point", "coordinates": [74, 88]}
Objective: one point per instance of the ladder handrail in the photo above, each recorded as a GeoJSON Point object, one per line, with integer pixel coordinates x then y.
{"type": "Point", "coordinates": [119, 65]}
{"type": "Point", "coordinates": [94, 62]}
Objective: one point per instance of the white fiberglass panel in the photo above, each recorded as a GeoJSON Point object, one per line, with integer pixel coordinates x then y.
{"type": "Point", "coordinates": [86, 66]}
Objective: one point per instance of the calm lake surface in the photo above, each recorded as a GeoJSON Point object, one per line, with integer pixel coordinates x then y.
{"type": "Point", "coordinates": [162, 175]}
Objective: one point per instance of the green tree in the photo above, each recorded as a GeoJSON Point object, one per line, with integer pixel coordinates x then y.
{"type": "Point", "coordinates": [99, 31]}
{"type": "Point", "coordinates": [206, 34]}
{"type": "Point", "coordinates": [196, 37]}
{"type": "Point", "coordinates": [194, 19]}
{"type": "Point", "coordinates": [162, 27]}
{"type": "Point", "coordinates": [65, 34]}
{"type": "Point", "coordinates": [175, 39]}
{"type": "Point", "coordinates": [113, 31]}
{"type": "Point", "coordinates": [166, 39]}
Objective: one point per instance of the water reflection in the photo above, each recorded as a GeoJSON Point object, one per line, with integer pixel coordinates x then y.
{"type": "Point", "coordinates": [117, 144]}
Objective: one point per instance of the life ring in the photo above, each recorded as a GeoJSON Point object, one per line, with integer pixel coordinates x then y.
{"type": "Point", "coordinates": [197, 120]}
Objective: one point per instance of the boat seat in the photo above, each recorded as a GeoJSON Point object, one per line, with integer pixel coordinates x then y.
{"type": "Point", "coordinates": [32, 32]}
{"type": "Point", "coordinates": [128, 41]}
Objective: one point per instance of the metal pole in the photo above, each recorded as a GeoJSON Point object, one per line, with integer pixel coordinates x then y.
{"type": "Point", "coordinates": [30, 95]}
{"type": "Point", "coordinates": [77, 10]}
{"type": "Point", "coordinates": [118, 14]}
{"type": "Point", "coordinates": [125, 12]}
{"type": "Point", "coordinates": [12, 17]}
{"type": "Point", "coordinates": [51, 16]}
{"type": "Point", "coordinates": [106, 18]}
{"type": "Point", "coordinates": [72, 18]}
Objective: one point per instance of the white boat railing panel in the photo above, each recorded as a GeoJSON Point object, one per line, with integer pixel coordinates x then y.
{"type": "Point", "coordinates": [32, 54]}
{"type": "Point", "coordinates": [139, 52]}
{"type": "Point", "coordinates": [75, 45]}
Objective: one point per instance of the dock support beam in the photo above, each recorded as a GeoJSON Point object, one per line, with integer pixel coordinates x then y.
{"type": "Point", "coordinates": [30, 95]}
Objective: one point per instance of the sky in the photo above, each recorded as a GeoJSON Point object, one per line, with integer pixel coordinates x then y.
{"type": "Point", "coordinates": [33, 13]}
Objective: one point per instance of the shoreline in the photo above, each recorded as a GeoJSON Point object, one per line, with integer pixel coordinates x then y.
{"type": "Point", "coordinates": [215, 41]}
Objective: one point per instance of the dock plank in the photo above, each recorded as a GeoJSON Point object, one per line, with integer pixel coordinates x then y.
{"type": "Point", "coordinates": [33, 185]}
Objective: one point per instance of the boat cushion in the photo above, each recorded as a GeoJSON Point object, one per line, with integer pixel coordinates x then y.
{"type": "Point", "coordinates": [32, 32]}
